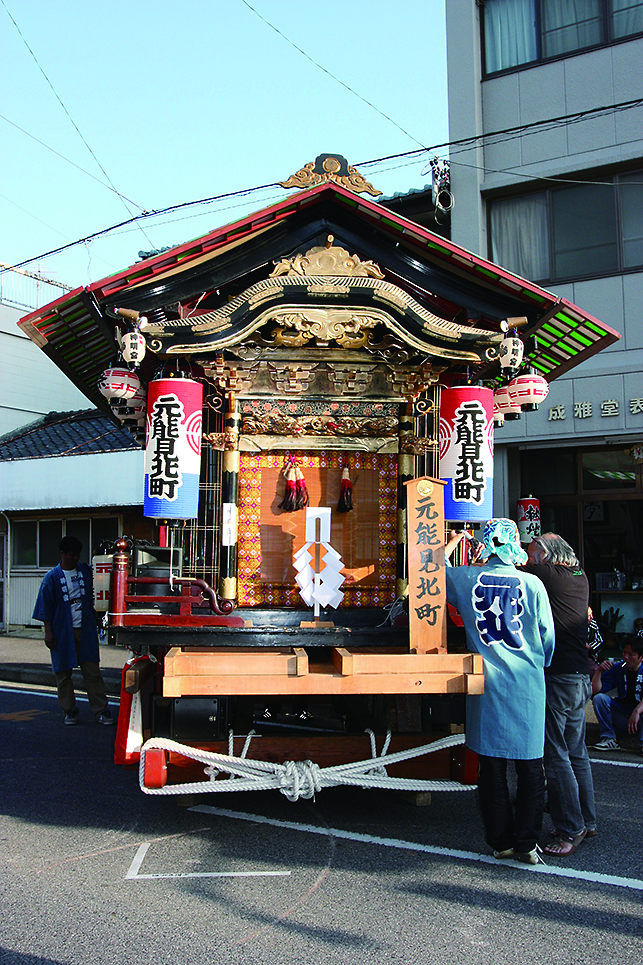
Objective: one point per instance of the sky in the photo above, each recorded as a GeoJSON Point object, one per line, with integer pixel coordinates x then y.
{"type": "Point", "coordinates": [164, 103]}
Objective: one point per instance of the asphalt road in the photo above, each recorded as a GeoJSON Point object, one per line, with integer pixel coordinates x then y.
{"type": "Point", "coordinates": [96, 871]}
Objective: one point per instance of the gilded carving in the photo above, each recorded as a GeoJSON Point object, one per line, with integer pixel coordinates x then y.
{"type": "Point", "coordinates": [411, 382]}
{"type": "Point", "coordinates": [347, 328]}
{"type": "Point", "coordinates": [325, 260]}
{"type": "Point", "coordinates": [350, 379]}
{"type": "Point", "coordinates": [232, 378]}
{"type": "Point", "coordinates": [216, 440]}
{"type": "Point", "coordinates": [291, 379]}
{"type": "Point", "coordinates": [281, 424]}
{"type": "Point", "coordinates": [330, 167]}
{"type": "Point", "coordinates": [416, 445]}
{"type": "Point", "coordinates": [223, 335]}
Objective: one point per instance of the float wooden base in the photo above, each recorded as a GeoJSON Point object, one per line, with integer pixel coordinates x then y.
{"type": "Point", "coordinates": [289, 672]}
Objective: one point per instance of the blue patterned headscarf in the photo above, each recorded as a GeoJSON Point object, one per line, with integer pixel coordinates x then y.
{"type": "Point", "coordinates": [501, 537]}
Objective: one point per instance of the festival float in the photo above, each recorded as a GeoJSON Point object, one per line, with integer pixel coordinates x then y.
{"type": "Point", "coordinates": [316, 388]}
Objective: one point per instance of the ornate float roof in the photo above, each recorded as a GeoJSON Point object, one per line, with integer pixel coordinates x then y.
{"type": "Point", "coordinates": [325, 266]}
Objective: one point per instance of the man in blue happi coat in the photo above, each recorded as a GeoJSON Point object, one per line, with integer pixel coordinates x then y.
{"type": "Point", "coordinates": [65, 604]}
{"type": "Point", "coordinates": [507, 618]}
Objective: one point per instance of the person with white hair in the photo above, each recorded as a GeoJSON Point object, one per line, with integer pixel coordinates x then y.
{"type": "Point", "coordinates": [570, 788]}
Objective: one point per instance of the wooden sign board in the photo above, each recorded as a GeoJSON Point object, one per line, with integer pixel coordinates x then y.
{"type": "Point", "coordinates": [427, 582]}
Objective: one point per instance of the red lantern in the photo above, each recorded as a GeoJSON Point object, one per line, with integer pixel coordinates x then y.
{"type": "Point", "coordinates": [528, 390]}
{"type": "Point", "coordinates": [528, 518]}
{"type": "Point", "coordinates": [504, 405]}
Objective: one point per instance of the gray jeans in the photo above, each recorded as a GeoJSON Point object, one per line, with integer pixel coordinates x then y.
{"type": "Point", "coordinates": [570, 788]}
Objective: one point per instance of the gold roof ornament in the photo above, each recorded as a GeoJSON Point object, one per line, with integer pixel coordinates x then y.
{"type": "Point", "coordinates": [328, 259]}
{"type": "Point", "coordinates": [330, 167]}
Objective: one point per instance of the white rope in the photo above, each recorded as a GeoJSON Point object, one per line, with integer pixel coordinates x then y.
{"type": "Point", "coordinates": [296, 779]}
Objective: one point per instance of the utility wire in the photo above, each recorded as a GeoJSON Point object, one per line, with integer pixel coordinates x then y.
{"type": "Point", "coordinates": [105, 184]}
{"type": "Point", "coordinates": [331, 75]}
{"type": "Point", "coordinates": [624, 105]}
{"type": "Point", "coordinates": [72, 121]}
{"type": "Point", "coordinates": [146, 214]}
{"type": "Point", "coordinates": [517, 131]}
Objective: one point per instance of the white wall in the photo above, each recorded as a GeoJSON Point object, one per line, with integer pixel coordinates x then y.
{"type": "Point", "coordinates": [69, 482]}
{"type": "Point", "coordinates": [30, 384]}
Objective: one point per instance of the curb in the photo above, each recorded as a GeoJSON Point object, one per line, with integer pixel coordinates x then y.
{"type": "Point", "coordinates": [45, 678]}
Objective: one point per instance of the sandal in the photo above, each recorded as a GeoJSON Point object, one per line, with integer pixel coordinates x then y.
{"type": "Point", "coordinates": [560, 847]}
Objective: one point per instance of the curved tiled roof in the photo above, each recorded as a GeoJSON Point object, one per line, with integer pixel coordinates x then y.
{"type": "Point", "coordinates": [65, 434]}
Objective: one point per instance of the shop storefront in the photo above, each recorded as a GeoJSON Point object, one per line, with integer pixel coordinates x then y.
{"type": "Point", "coordinates": [593, 496]}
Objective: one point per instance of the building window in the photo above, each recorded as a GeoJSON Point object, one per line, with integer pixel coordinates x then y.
{"type": "Point", "coordinates": [575, 231]}
{"type": "Point", "coordinates": [24, 543]}
{"type": "Point", "coordinates": [34, 543]}
{"type": "Point", "coordinates": [518, 32]}
{"type": "Point", "coordinates": [50, 533]}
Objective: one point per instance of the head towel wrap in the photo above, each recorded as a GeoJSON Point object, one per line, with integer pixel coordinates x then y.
{"type": "Point", "coordinates": [502, 538]}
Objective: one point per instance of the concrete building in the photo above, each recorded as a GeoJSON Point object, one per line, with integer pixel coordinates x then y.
{"type": "Point", "coordinates": [546, 112]}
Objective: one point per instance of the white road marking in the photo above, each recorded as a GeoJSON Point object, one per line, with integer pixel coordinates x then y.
{"type": "Point", "coordinates": [597, 760]}
{"type": "Point", "coordinates": [133, 873]}
{"type": "Point", "coordinates": [541, 868]}
{"type": "Point", "coordinates": [138, 860]}
{"type": "Point", "coordinates": [35, 691]}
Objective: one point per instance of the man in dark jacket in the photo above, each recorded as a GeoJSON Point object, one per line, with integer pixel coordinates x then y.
{"type": "Point", "coordinates": [570, 788]}
{"type": "Point", "coordinates": [65, 604]}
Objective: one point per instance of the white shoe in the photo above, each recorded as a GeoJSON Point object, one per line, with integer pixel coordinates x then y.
{"type": "Point", "coordinates": [529, 857]}
{"type": "Point", "coordinates": [606, 744]}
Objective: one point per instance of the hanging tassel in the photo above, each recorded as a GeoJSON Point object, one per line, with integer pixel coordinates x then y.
{"type": "Point", "coordinates": [345, 501]}
{"type": "Point", "coordinates": [302, 497]}
{"type": "Point", "coordinates": [288, 503]}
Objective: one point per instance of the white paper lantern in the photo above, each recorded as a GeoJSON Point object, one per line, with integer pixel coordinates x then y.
{"type": "Point", "coordinates": [528, 390]}
{"type": "Point", "coordinates": [511, 352]}
{"type": "Point", "coordinates": [133, 347]}
{"type": "Point", "coordinates": [504, 405]}
{"type": "Point", "coordinates": [119, 383]}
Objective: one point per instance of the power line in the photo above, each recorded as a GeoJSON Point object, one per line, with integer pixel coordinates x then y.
{"type": "Point", "coordinates": [517, 131]}
{"type": "Point", "coordinates": [514, 131]}
{"type": "Point", "coordinates": [72, 121]}
{"type": "Point", "coordinates": [109, 187]}
{"type": "Point", "coordinates": [329, 73]}
{"type": "Point", "coordinates": [146, 214]}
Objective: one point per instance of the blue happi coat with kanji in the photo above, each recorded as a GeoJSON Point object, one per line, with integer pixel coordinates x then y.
{"type": "Point", "coordinates": [53, 605]}
{"type": "Point", "coordinates": [507, 618]}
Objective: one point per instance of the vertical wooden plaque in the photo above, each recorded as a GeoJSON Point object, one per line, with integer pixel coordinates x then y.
{"type": "Point", "coordinates": [427, 583]}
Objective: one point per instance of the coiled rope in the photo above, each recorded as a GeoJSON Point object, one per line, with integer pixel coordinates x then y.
{"type": "Point", "coordinates": [296, 779]}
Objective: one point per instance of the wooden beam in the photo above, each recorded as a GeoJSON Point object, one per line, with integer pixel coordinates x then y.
{"type": "Point", "coordinates": [342, 660]}
{"type": "Point", "coordinates": [330, 683]}
{"type": "Point", "coordinates": [212, 662]}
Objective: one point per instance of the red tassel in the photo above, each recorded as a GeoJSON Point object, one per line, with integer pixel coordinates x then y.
{"type": "Point", "coordinates": [290, 494]}
{"type": "Point", "coordinates": [302, 497]}
{"type": "Point", "coordinates": [345, 501]}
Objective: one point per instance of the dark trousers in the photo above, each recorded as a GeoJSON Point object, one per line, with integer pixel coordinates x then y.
{"type": "Point", "coordinates": [504, 826]}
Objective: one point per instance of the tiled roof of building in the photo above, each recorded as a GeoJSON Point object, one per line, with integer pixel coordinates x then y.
{"type": "Point", "coordinates": [65, 434]}
{"type": "Point", "coordinates": [427, 189]}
